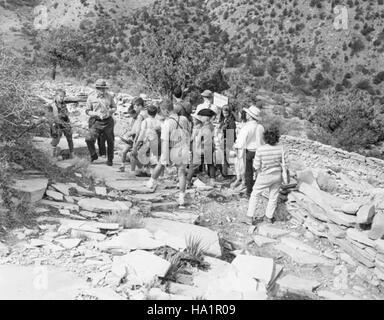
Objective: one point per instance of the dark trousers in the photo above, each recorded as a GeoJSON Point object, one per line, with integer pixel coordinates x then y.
{"type": "Point", "coordinates": [194, 168]}
{"type": "Point", "coordinates": [58, 129]}
{"type": "Point", "coordinates": [101, 127]}
{"type": "Point", "coordinates": [249, 171]}
{"type": "Point", "coordinates": [101, 140]}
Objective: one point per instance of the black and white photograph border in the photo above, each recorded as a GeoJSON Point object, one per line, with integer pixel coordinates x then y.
{"type": "Point", "coordinates": [191, 150]}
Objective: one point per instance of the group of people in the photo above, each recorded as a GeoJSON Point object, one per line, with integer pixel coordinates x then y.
{"type": "Point", "coordinates": [193, 140]}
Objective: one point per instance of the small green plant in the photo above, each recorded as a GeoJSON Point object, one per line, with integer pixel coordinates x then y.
{"type": "Point", "coordinates": [176, 267]}
{"type": "Point", "coordinates": [194, 248]}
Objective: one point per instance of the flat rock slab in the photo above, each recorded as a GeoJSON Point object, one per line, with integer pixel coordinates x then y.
{"type": "Point", "coordinates": [60, 205]}
{"type": "Point", "coordinates": [377, 228]}
{"type": "Point", "coordinates": [44, 144]}
{"type": "Point", "coordinates": [54, 195]}
{"type": "Point", "coordinates": [299, 245]}
{"type": "Point", "coordinates": [298, 285]}
{"type": "Point", "coordinates": [183, 231]}
{"type": "Point", "coordinates": [351, 208]}
{"type": "Point", "coordinates": [30, 190]}
{"type": "Point", "coordinates": [303, 258]}
{"type": "Point", "coordinates": [69, 243]}
{"type": "Point", "coordinates": [62, 188]}
{"type": "Point", "coordinates": [165, 206]}
{"type": "Point", "coordinates": [360, 236]}
{"type": "Point", "coordinates": [271, 232]}
{"type": "Point", "coordinates": [104, 206]}
{"type": "Point", "coordinates": [329, 295]}
{"type": "Point", "coordinates": [365, 214]}
{"type": "Point", "coordinates": [185, 217]}
{"type": "Point", "coordinates": [152, 197]}
{"type": "Point", "coordinates": [144, 265]}
{"type": "Point", "coordinates": [129, 185]}
{"type": "Point", "coordinates": [254, 267]}
{"type": "Point", "coordinates": [262, 241]}
{"type": "Point", "coordinates": [38, 283]}
{"type": "Point", "coordinates": [132, 239]}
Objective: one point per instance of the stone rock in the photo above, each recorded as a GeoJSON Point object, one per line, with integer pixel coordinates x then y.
{"type": "Point", "coordinates": [104, 206]}
{"type": "Point", "coordinates": [119, 269]}
{"type": "Point", "coordinates": [69, 243]}
{"type": "Point", "coordinates": [57, 196]}
{"type": "Point", "coordinates": [87, 235]}
{"type": "Point", "coordinates": [80, 190]}
{"type": "Point", "coordinates": [60, 205]}
{"type": "Point", "coordinates": [379, 245]}
{"type": "Point", "coordinates": [297, 244]}
{"type": "Point", "coordinates": [307, 177]}
{"type": "Point", "coordinates": [182, 232]}
{"type": "Point", "coordinates": [351, 208]}
{"type": "Point", "coordinates": [255, 267]}
{"type": "Point", "coordinates": [303, 258]}
{"type": "Point", "coordinates": [165, 206]}
{"type": "Point", "coordinates": [360, 236]}
{"type": "Point", "coordinates": [185, 217]}
{"type": "Point", "coordinates": [131, 239]}
{"type": "Point", "coordinates": [377, 228]}
{"type": "Point", "coordinates": [101, 191]}
{"type": "Point", "coordinates": [69, 199]}
{"type": "Point", "coordinates": [261, 241]}
{"type": "Point", "coordinates": [136, 186]}
{"type": "Point", "coordinates": [144, 265]}
{"type": "Point", "coordinates": [347, 258]}
{"type": "Point", "coordinates": [365, 214]}
{"type": "Point", "coordinates": [326, 182]}
{"type": "Point", "coordinates": [88, 214]}
{"type": "Point", "coordinates": [336, 231]}
{"type": "Point", "coordinates": [271, 232]}
{"type": "Point", "coordinates": [152, 197]}
{"type": "Point", "coordinates": [30, 190]}
{"type": "Point", "coordinates": [62, 188]}
{"type": "Point", "coordinates": [297, 285]}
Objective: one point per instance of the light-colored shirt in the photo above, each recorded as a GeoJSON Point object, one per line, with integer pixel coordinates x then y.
{"type": "Point", "coordinates": [100, 104]}
{"type": "Point", "coordinates": [148, 129]}
{"type": "Point", "coordinates": [169, 132]}
{"type": "Point", "coordinates": [268, 158]}
{"type": "Point", "coordinates": [250, 136]}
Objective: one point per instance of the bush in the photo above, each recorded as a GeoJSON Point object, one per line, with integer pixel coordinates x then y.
{"type": "Point", "coordinates": [347, 121]}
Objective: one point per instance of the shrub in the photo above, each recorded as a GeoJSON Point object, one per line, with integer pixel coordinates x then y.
{"type": "Point", "coordinates": [378, 78]}
{"type": "Point", "coordinates": [346, 120]}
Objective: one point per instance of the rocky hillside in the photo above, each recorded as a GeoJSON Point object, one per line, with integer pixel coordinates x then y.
{"type": "Point", "coordinates": [293, 42]}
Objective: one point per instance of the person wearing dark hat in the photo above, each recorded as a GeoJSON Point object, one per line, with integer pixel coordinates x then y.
{"type": "Point", "coordinates": [250, 138]}
{"type": "Point", "coordinates": [203, 146]}
{"type": "Point", "coordinates": [59, 118]}
{"type": "Point", "coordinates": [101, 106]}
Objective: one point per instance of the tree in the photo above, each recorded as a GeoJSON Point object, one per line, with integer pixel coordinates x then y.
{"type": "Point", "coordinates": [61, 47]}
{"type": "Point", "coordinates": [168, 60]}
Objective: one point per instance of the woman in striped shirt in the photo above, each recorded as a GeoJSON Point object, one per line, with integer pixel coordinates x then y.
{"type": "Point", "coordinates": [267, 163]}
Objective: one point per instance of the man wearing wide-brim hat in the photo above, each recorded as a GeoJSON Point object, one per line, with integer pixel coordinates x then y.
{"type": "Point", "coordinates": [100, 107]}
{"type": "Point", "coordinates": [249, 139]}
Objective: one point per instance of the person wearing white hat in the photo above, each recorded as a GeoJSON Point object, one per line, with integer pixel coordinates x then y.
{"type": "Point", "coordinates": [100, 107]}
{"type": "Point", "coordinates": [250, 138]}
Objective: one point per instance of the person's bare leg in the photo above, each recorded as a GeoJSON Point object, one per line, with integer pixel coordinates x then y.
{"type": "Point", "coordinates": [182, 183]}
{"type": "Point", "coordinates": [155, 175]}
